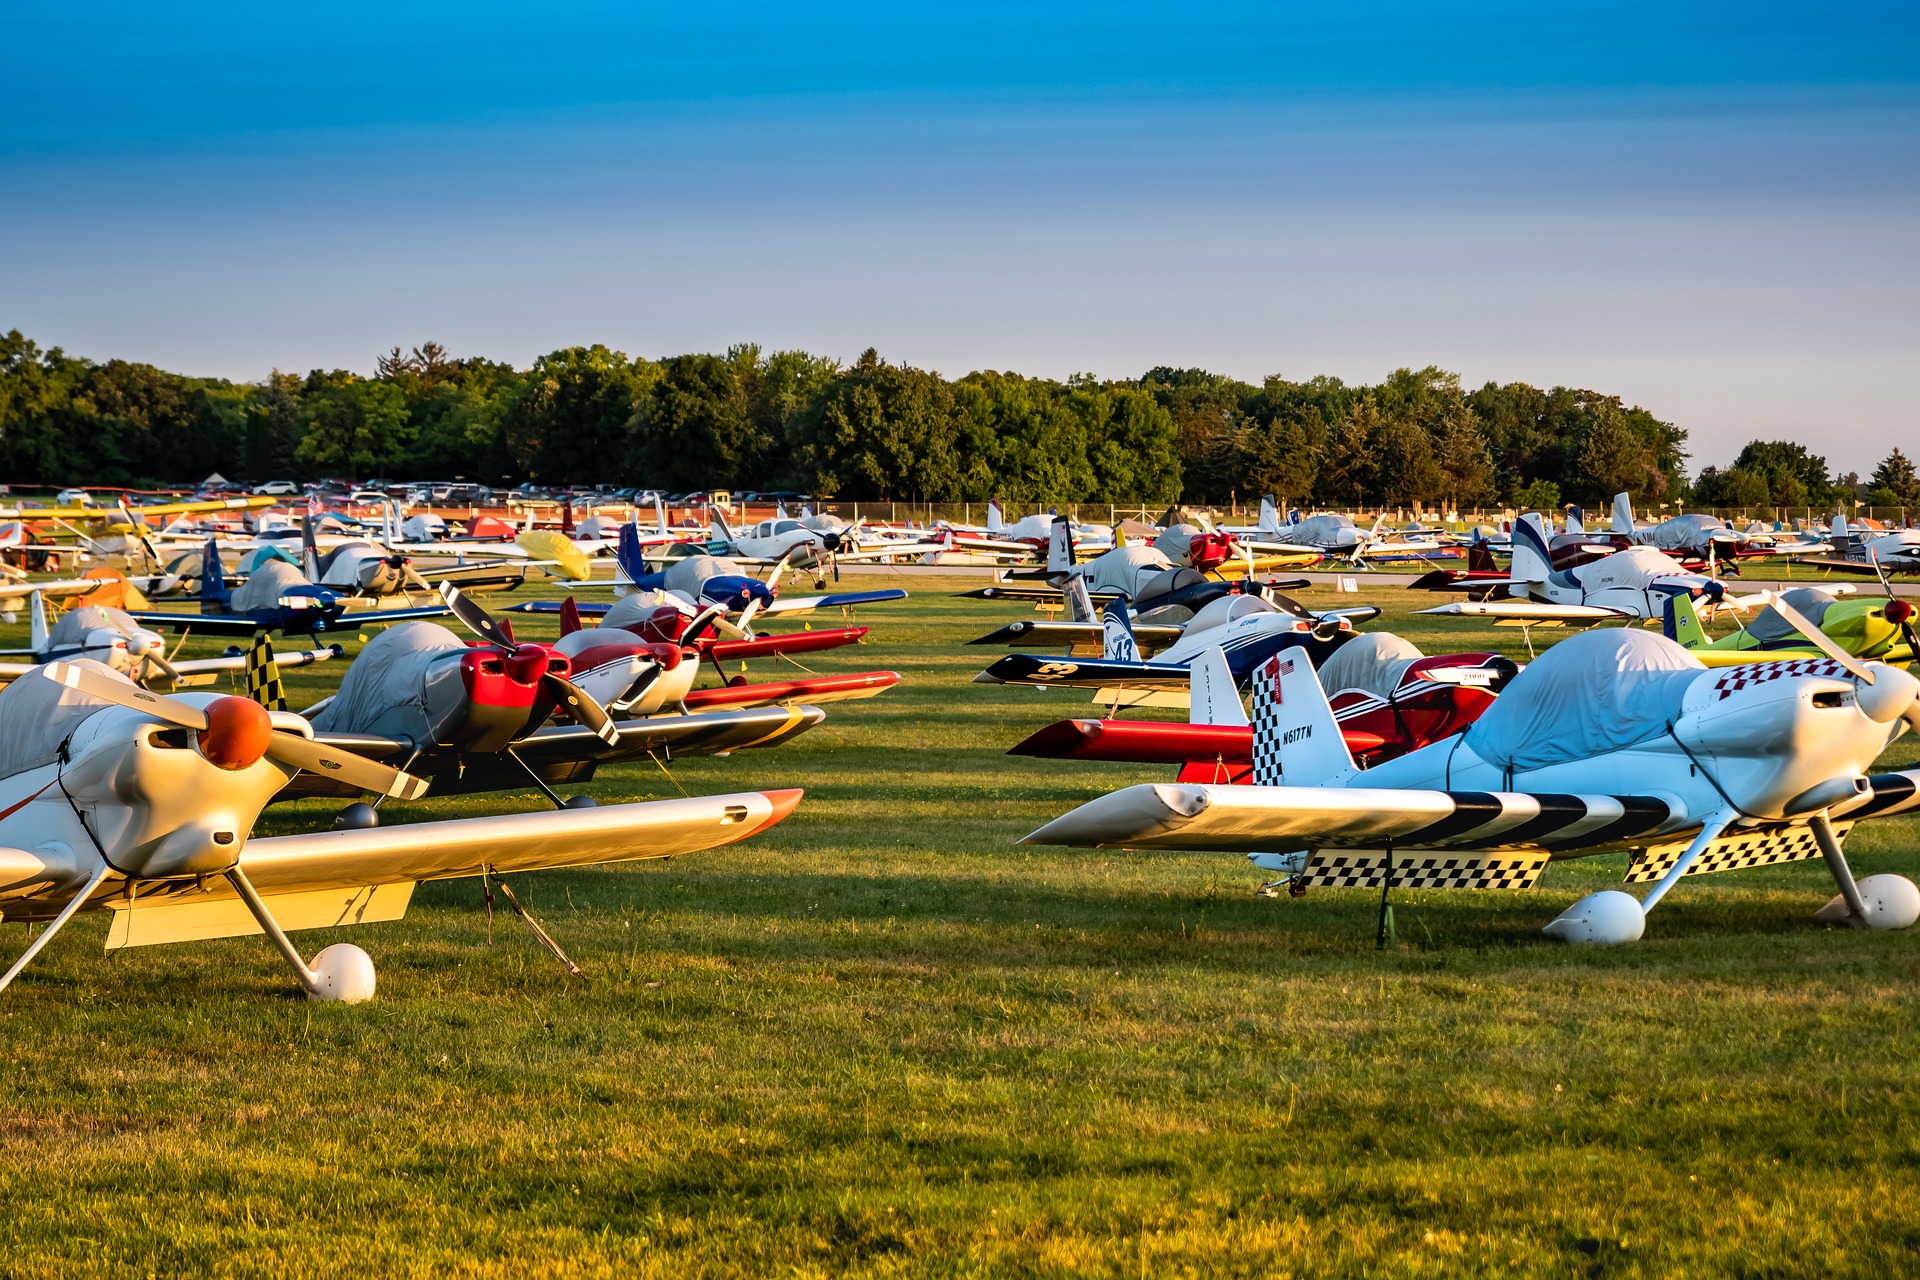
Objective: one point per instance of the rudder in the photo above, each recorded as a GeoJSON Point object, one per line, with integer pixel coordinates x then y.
{"type": "Point", "coordinates": [1296, 740]}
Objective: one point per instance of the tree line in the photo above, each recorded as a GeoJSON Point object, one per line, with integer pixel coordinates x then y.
{"type": "Point", "coordinates": [877, 431]}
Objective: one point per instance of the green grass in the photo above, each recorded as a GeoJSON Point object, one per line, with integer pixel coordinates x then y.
{"type": "Point", "coordinates": [882, 1040]}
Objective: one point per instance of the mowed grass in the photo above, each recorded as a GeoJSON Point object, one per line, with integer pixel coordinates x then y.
{"type": "Point", "coordinates": [883, 1040]}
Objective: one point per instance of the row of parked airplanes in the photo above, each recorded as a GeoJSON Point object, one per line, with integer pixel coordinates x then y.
{"type": "Point", "coordinates": [1363, 762]}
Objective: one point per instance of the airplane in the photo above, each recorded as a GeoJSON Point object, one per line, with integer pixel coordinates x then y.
{"type": "Point", "coordinates": [1086, 632]}
{"type": "Point", "coordinates": [1633, 583]}
{"type": "Point", "coordinates": [1027, 538]}
{"type": "Point", "coordinates": [783, 540]}
{"type": "Point", "coordinates": [114, 639]}
{"type": "Point", "coordinates": [1335, 534]}
{"type": "Point", "coordinates": [122, 800]}
{"type": "Point", "coordinates": [1698, 536]}
{"type": "Point", "coordinates": [1389, 699]}
{"type": "Point", "coordinates": [472, 717]}
{"type": "Point", "coordinates": [88, 514]}
{"type": "Point", "coordinates": [1894, 551]}
{"type": "Point", "coordinates": [1616, 739]}
{"type": "Point", "coordinates": [1244, 637]}
{"type": "Point", "coordinates": [1877, 628]}
{"type": "Point", "coordinates": [661, 635]}
{"type": "Point", "coordinates": [276, 596]}
{"type": "Point", "coordinates": [697, 581]}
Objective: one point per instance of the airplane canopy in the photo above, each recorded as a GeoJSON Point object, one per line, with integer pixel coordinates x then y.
{"type": "Point", "coordinates": [40, 714]}
{"type": "Point", "coordinates": [266, 583]}
{"type": "Point", "coordinates": [71, 630]}
{"type": "Point", "coordinates": [385, 690]}
{"type": "Point", "coordinates": [1682, 533]}
{"type": "Point", "coordinates": [1373, 662]}
{"type": "Point", "coordinates": [1590, 694]}
{"type": "Point", "coordinates": [1812, 603]}
{"type": "Point", "coordinates": [1629, 567]}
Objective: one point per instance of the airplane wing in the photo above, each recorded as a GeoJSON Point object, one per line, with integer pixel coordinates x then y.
{"type": "Point", "coordinates": [1089, 673]}
{"type": "Point", "coordinates": [514, 842]}
{"type": "Point", "coordinates": [803, 604]}
{"type": "Point", "coordinates": [1528, 611]}
{"type": "Point", "coordinates": [878, 550]}
{"type": "Point", "coordinates": [63, 587]}
{"type": "Point", "coordinates": [813, 691]}
{"type": "Point", "coordinates": [1148, 635]}
{"type": "Point", "coordinates": [213, 624]}
{"type": "Point", "coordinates": [1289, 819]}
{"type": "Point", "coordinates": [238, 661]}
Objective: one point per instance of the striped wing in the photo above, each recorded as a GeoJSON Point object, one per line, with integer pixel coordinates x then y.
{"type": "Point", "coordinates": [1287, 819]}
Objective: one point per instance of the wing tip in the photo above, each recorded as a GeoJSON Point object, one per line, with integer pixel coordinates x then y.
{"type": "Point", "coordinates": [784, 802]}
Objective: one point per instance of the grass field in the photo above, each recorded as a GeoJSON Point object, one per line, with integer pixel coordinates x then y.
{"type": "Point", "coordinates": [882, 1040]}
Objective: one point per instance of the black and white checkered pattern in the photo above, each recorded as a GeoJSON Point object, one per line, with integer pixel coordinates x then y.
{"type": "Point", "coordinates": [1749, 674]}
{"type": "Point", "coordinates": [1760, 847]}
{"type": "Point", "coordinates": [1265, 683]}
{"type": "Point", "coordinates": [1367, 869]}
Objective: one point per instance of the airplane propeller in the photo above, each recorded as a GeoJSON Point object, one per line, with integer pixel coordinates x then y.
{"type": "Point", "coordinates": [1899, 612]}
{"type": "Point", "coordinates": [233, 733]}
{"type": "Point", "coordinates": [1888, 704]}
{"type": "Point", "coordinates": [571, 698]}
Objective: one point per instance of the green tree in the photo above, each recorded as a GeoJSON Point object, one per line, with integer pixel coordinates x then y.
{"type": "Point", "coordinates": [569, 420]}
{"type": "Point", "coordinates": [352, 427]}
{"type": "Point", "coordinates": [1610, 459]}
{"type": "Point", "coordinates": [1460, 449]}
{"type": "Point", "coordinates": [1350, 466]}
{"type": "Point", "coordinates": [1538, 495]}
{"type": "Point", "coordinates": [879, 432]}
{"type": "Point", "coordinates": [693, 428]}
{"type": "Point", "coordinates": [1894, 477]}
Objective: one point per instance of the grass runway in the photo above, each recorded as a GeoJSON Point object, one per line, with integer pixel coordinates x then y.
{"type": "Point", "coordinates": [881, 1040]}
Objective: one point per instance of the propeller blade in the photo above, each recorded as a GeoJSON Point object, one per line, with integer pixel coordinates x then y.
{"type": "Point", "coordinates": [166, 668]}
{"type": "Point", "coordinates": [1822, 641]}
{"type": "Point", "coordinates": [582, 706]}
{"type": "Point", "coordinates": [779, 567]}
{"type": "Point", "coordinates": [745, 624]}
{"type": "Point", "coordinates": [474, 618]}
{"type": "Point", "coordinates": [358, 771]}
{"type": "Point", "coordinates": [105, 688]}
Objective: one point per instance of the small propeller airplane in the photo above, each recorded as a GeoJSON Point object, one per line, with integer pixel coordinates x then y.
{"type": "Point", "coordinates": [699, 581]}
{"type": "Point", "coordinates": [113, 638]}
{"type": "Point", "coordinates": [1244, 629]}
{"type": "Point", "coordinates": [123, 800]}
{"type": "Point", "coordinates": [1876, 629]}
{"type": "Point", "coordinates": [276, 596]}
{"type": "Point", "coordinates": [473, 717]}
{"type": "Point", "coordinates": [1632, 583]}
{"type": "Point", "coordinates": [1389, 700]}
{"type": "Point", "coordinates": [786, 541]}
{"type": "Point", "coordinates": [1868, 551]}
{"type": "Point", "coordinates": [1614, 739]}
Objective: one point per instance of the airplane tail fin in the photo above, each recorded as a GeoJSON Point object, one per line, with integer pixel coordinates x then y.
{"type": "Point", "coordinates": [1574, 522]}
{"type": "Point", "coordinates": [1681, 623]}
{"type": "Point", "coordinates": [1060, 546]}
{"type": "Point", "coordinates": [780, 510]}
{"type": "Point", "coordinates": [719, 521]}
{"type": "Point", "coordinates": [1212, 698]}
{"type": "Point", "coordinates": [1269, 516]}
{"type": "Point", "coordinates": [309, 549]}
{"type": "Point", "coordinates": [214, 595]}
{"type": "Point", "coordinates": [627, 554]}
{"type": "Point", "coordinates": [1622, 513]}
{"type": "Point", "coordinates": [1296, 740]}
{"type": "Point", "coordinates": [1532, 562]}
{"type": "Point", "coordinates": [994, 523]}
{"type": "Point", "coordinates": [1079, 601]}
{"type": "Point", "coordinates": [1839, 529]}
{"type": "Point", "coordinates": [37, 615]}
{"type": "Point", "coordinates": [1480, 558]}
{"type": "Point", "coordinates": [569, 616]}
{"type": "Point", "coordinates": [566, 517]}
{"type": "Point", "coordinates": [660, 511]}
{"type": "Point", "coordinates": [1120, 646]}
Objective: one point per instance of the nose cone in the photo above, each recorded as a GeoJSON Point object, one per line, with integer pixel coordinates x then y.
{"type": "Point", "coordinates": [1890, 696]}
{"type": "Point", "coordinates": [238, 732]}
{"type": "Point", "coordinates": [526, 666]}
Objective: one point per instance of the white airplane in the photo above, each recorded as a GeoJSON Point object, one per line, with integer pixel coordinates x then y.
{"type": "Point", "coordinates": [784, 539]}
{"type": "Point", "coordinates": [1270, 537]}
{"type": "Point", "coordinates": [1631, 583]}
{"type": "Point", "coordinates": [115, 639]}
{"type": "Point", "coordinates": [1697, 534]}
{"type": "Point", "coordinates": [1896, 551]}
{"type": "Point", "coordinates": [1613, 740]}
{"type": "Point", "coordinates": [113, 798]}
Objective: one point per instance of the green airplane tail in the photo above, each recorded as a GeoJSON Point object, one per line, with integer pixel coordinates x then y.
{"type": "Point", "coordinates": [1682, 623]}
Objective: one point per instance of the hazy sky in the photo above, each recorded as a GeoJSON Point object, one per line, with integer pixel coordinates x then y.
{"type": "Point", "coordinates": [1708, 209]}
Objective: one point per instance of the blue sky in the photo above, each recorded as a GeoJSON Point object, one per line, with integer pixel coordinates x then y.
{"type": "Point", "coordinates": [1709, 209]}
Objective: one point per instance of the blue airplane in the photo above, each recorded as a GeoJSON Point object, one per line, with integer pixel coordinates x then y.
{"type": "Point", "coordinates": [276, 596]}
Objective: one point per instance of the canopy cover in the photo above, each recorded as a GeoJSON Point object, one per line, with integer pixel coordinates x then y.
{"type": "Point", "coordinates": [1812, 604]}
{"type": "Point", "coordinates": [1372, 662]}
{"type": "Point", "coordinates": [1124, 569]}
{"type": "Point", "coordinates": [266, 583]}
{"type": "Point", "coordinates": [1590, 694]}
{"type": "Point", "coordinates": [385, 690]}
{"type": "Point", "coordinates": [39, 714]}
{"type": "Point", "coordinates": [1324, 531]}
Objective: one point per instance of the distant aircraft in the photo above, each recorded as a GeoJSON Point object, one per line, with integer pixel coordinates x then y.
{"type": "Point", "coordinates": [113, 638]}
{"type": "Point", "coordinates": [276, 596]}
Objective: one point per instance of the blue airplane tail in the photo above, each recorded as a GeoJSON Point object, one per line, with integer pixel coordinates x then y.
{"type": "Point", "coordinates": [632, 563]}
{"type": "Point", "coordinates": [214, 595]}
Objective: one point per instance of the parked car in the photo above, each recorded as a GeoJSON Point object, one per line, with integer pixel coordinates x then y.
{"type": "Point", "coordinates": [367, 495]}
{"type": "Point", "coordinates": [73, 498]}
{"type": "Point", "coordinates": [278, 488]}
